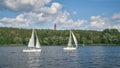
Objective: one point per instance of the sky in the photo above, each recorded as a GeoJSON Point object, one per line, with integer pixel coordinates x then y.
{"type": "Point", "coordinates": [67, 14]}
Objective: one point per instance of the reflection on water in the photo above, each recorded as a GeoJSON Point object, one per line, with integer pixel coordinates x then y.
{"type": "Point", "coordinates": [72, 58]}
{"type": "Point", "coordinates": [33, 60]}
{"type": "Point", "coordinates": [71, 52]}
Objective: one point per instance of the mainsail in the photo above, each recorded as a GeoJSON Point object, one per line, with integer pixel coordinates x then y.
{"type": "Point", "coordinates": [70, 41]}
{"type": "Point", "coordinates": [75, 40]}
{"type": "Point", "coordinates": [31, 41]}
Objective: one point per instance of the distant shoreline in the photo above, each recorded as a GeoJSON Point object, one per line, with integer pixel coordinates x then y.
{"type": "Point", "coordinates": [63, 45]}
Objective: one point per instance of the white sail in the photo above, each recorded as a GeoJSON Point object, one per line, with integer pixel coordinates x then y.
{"type": "Point", "coordinates": [37, 42]}
{"type": "Point", "coordinates": [70, 41]}
{"type": "Point", "coordinates": [31, 41]}
{"type": "Point", "coordinates": [75, 40]}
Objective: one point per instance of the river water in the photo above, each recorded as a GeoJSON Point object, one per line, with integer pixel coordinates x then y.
{"type": "Point", "coordinates": [56, 57]}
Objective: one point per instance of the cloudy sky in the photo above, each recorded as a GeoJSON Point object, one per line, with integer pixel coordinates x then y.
{"type": "Point", "coordinates": [67, 14]}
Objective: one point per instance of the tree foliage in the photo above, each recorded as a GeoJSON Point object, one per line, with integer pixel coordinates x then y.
{"type": "Point", "coordinates": [58, 37]}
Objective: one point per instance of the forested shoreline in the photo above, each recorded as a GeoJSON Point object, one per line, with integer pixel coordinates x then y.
{"type": "Point", "coordinates": [20, 36]}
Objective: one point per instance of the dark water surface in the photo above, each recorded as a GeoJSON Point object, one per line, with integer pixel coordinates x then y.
{"type": "Point", "coordinates": [56, 57]}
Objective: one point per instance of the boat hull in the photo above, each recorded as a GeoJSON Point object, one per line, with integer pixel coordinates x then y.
{"type": "Point", "coordinates": [69, 48]}
{"type": "Point", "coordinates": [31, 50]}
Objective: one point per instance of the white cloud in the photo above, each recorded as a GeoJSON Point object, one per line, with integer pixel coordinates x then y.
{"type": "Point", "coordinates": [37, 13]}
{"type": "Point", "coordinates": [116, 20]}
{"type": "Point", "coordinates": [99, 22]}
{"type": "Point", "coordinates": [80, 22]}
{"type": "Point", "coordinates": [17, 5]}
{"type": "Point", "coordinates": [68, 22]}
{"type": "Point", "coordinates": [55, 8]}
{"type": "Point", "coordinates": [19, 21]}
{"type": "Point", "coordinates": [26, 19]}
{"type": "Point", "coordinates": [1, 25]}
{"type": "Point", "coordinates": [116, 17]}
{"type": "Point", "coordinates": [62, 17]}
{"type": "Point", "coordinates": [117, 26]}
{"type": "Point", "coordinates": [74, 24]}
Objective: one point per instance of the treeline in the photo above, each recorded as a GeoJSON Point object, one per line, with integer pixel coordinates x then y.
{"type": "Point", "coordinates": [20, 36]}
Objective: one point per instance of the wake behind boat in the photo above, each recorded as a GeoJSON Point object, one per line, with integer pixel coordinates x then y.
{"type": "Point", "coordinates": [31, 44]}
{"type": "Point", "coordinates": [70, 46]}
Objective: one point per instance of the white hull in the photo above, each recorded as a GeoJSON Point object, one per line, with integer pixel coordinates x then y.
{"type": "Point", "coordinates": [31, 50]}
{"type": "Point", "coordinates": [70, 48]}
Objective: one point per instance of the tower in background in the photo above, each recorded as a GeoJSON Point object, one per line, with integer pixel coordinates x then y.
{"type": "Point", "coordinates": [55, 26]}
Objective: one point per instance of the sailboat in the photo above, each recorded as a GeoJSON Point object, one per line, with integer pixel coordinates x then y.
{"type": "Point", "coordinates": [31, 44]}
{"type": "Point", "coordinates": [70, 46]}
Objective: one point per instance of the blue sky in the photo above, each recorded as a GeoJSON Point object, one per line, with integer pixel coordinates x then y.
{"type": "Point", "coordinates": [67, 14]}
